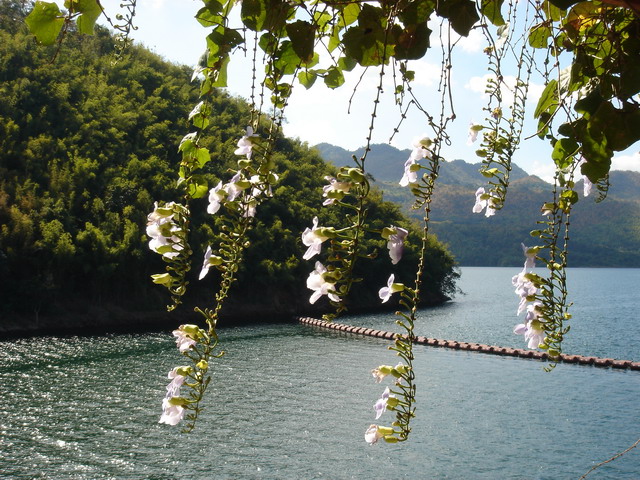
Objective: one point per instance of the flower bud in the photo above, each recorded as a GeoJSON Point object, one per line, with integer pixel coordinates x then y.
{"type": "Point", "coordinates": [385, 430]}
{"type": "Point", "coordinates": [356, 175]}
{"type": "Point", "coordinates": [202, 365]}
{"type": "Point", "coordinates": [390, 439]}
{"type": "Point", "coordinates": [178, 401]}
{"type": "Point", "coordinates": [162, 279]}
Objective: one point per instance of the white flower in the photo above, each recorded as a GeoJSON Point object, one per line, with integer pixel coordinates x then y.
{"type": "Point", "coordinates": [335, 190]}
{"type": "Point", "coordinates": [484, 200]}
{"type": "Point", "coordinates": [216, 196]}
{"type": "Point", "coordinates": [245, 144]}
{"type": "Point", "coordinates": [530, 255]}
{"type": "Point", "coordinates": [533, 332]}
{"type": "Point", "coordinates": [473, 133]}
{"type": "Point", "coordinates": [183, 339]}
{"type": "Point", "coordinates": [249, 208]}
{"type": "Point", "coordinates": [235, 187]}
{"type": "Point", "coordinates": [161, 228]}
{"type": "Point", "coordinates": [313, 238]}
{"type": "Point", "coordinates": [372, 435]}
{"type": "Point", "coordinates": [391, 288]}
{"type": "Point", "coordinates": [171, 414]}
{"type": "Point", "coordinates": [420, 148]}
{"type": "Point", "coordinates": [395, 243]}
{"type": "Point", "coordinates": [173, 389]}
{"type": "Point", "coordinates": [381, 405]}
{"type": "Point", "coordinates": [587, 183]}
{"type": "Point", "coordinates": [205, 265]}
{"type": "Point", "coordinates": [319, 285]}
{"type": "Point", "coordinates": [410, 173]}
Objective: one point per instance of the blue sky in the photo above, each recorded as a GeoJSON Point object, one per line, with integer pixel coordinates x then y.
{"type": "Point", "coordinates": [320, 114]}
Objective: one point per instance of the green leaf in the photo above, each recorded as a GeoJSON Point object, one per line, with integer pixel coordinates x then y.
{"type": "Point", "coordinates": [334, 77]}
{"type": "Point", "coordinates": [90, 10]}
{"type": "Point", "coordinates": [564, 151]}
{"type": "Point", "coordinates": [620, 127]}
{"type": "Point", "coordinates": [302, 35]}
{"type": "Point", "coordinates": [253, 14]}
{"type": "Point", "coordinates": [539, 35]}
{"type": "Point", "coordinates": [45, 22]}
{"type": "Point", "coordinates": [210, 15]}
{"type": "Point", "coordinates": [551, 11]}
{"type": "Point", "coordinates": [462, 15]}
{"type": "Point", "coordinates": [349, 14]}
{"type": "Point", "coordinates": [198, 186]}
{"type": "Point", "coordinates": [307, 78]}
{"type": "Point", "coordinates": [412, 42]}
{"type": "Point", "coordinates": [346, 64]}
{"type": "Point", "coordinates": [202, 157]}
{"type": "Point", "coordinates": [548, 99]}
{"type": "Point", "coordinates": [491, 10]}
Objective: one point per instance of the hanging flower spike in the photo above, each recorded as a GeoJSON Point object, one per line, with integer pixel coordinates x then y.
{"type": "Point", "coordinates": [172, 405]}
{"type": "Point", "coordinates": [381, 372]}
{"type": "Point", "coordinates": [484, 200]}
{"type": "Point", "coordinates": [376, 432]}
{"type": "Point", "coordinates": [162, 228]}
{"type": "Point", "coordinates": [245, 144]}
{"type": "Point", "coordinates": [335, 190]}
{"type": "Point", "coordinates": [313, 238]}
{"type": "Point", "coordinates": [385, 292]}
{"type": "Point", "coordinates": [395, 243]}
{"type": "Point", "coordinates": [473, 133]}
{"type": "Point", "coordinates": [216, 196]}
{"type": "Point", "coordinates": [411, 167]}
{"type": "Point", "coordinates": [319, 285]}
{"type": "Point", "coordinates": [210, 260]}
{"type": "Point", "coordinates": [532, 329]}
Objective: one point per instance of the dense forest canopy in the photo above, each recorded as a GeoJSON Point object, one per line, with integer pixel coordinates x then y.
{"type": "Point", "coordinates": [88, 145]}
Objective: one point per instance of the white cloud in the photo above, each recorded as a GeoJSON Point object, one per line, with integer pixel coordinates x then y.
{"type": "Point", "coordinates": [545, 170]}
{"type": "Point", "coordinates": [427, 74]}
{"type": "Point", "coordinates": [626, 162]}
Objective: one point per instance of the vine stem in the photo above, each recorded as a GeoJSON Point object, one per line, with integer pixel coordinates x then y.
{"type": "Point", "coordinates": [617, 455]}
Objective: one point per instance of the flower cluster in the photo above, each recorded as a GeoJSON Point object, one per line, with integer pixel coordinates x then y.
{"type": "Point", "coordinates": [532, 328]}
{"type": "Point", "coordinates": [173, 405]}
{"type": "Point", "coordinates": [411, 166]}
{"type": "Point", "coordinates": [387, 401]}
{"type": "Point", "coordinates": [164, 231]}
{"type": "Point", "coordinates": [485, 200]}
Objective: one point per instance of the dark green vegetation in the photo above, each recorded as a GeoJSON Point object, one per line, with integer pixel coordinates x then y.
{"type": "Point", "coordinates": [603, 234]}
{"type": "Point", "coordinates": [87, 145]}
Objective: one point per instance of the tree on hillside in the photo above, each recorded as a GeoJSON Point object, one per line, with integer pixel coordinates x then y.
{"type": "Point", "coordinates": [588, 110]}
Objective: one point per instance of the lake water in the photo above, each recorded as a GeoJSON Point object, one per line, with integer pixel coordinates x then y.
{"type": "Point", "coordinates": [293, 402]}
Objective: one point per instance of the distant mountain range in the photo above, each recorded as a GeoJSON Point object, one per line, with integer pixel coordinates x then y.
{"type": "Point", "coordinates": [603, 234]}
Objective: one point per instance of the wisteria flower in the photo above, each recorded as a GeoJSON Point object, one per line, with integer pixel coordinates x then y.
{"type": "Point", "coordinates": [381, 372]}
{"type": "Point", "coordinates": [410, 173]}
{"type": "Point", "coordinates": [210, 260]}
{"type": "Point", "coordinates": [385, 292]}
{"type": "Point", "coordinates": [171, 414]}
{"type": "Point", "coordinates": [161, 228]}
{"type": "Point", "coordinates": [335, 190]}
{"type": "Point", "coordinates": [235, 186]}
{"type": "Point", "coordinates": [484, 200]}
{"type": "Point", "coordinates": [319, 285]}
{"type": "Point", "coordinates": [375, 433]}
{"type": "Point", "coordinates": [184, 339]}
{"type": "Point", "coordinates": [587, 183]}
{"type": "Point", "coordinates": [530, 256]}
{"type": "Point", "coordinates": [533, 332]}
{"type": "Point", "coordinates": [313, 238]}
{"type": "Point", "coordinates": [173, 389]}
{"type": "Point", "coordinates": [395, 243]}
{"type": "Point", "coordinates": [245, 144]}
{"type": "Point", "coordinates": [216, 196]}
{"type": "Point", "coordinates": [381, 405]}
{"type": "Point", "coordinates": [420, 149]}
{"type": "Point", "coordinates": [473, 133]}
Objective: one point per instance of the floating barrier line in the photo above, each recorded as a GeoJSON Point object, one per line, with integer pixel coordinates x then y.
{"type": "Point", "coordinates": [473, 347]}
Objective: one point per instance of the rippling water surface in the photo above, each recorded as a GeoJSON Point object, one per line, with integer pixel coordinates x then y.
{"type": "Point", "coordinates": [292, 402]}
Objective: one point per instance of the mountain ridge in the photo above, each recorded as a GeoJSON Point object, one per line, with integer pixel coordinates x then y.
{"type": "Point", "coordinates": [602, 235]}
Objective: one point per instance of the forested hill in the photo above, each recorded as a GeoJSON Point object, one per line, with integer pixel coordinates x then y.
{"type": "Point", "coordinates": [87, 145]}
{"type": "Point", "coordinates": [603, 234]}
